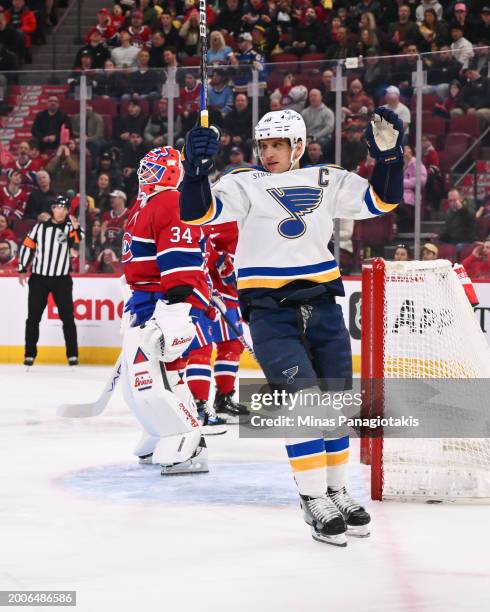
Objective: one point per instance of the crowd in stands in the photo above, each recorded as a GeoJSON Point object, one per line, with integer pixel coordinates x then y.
{"type": "Point", "coordinates": [23, 23]}
{"type": "Point", "coordinates": [137, 50]}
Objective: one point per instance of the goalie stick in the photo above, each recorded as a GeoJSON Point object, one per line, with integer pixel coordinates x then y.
{"type": "Point", "coordinates": [97, 407]}
{"type": "Point", "coordinates": [79, 411]}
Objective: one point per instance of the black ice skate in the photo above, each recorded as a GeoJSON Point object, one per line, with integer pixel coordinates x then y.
{"type": "Point", "coordinates": [72, 361]}
{"type": "Point", "coordinates": [355, 515]}
{"type": "Point", "coordinates": [146, 459]}
{"type": "Point", "coordinates": [226, 405]}
{"type": "Point", "coordinates": [212, 424]}
{"type": "Point", "coordinates": [327, 523]}
{"type": "Point", "coordinates": [197, 464]}
{"type": "Point", "coordinates": [28, 362]}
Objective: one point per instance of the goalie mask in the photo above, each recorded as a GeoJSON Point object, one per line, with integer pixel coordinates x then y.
{"type": "Point", "coordinates": [160, 169]}
{"type": "Point", "coordinates": [282, 124]}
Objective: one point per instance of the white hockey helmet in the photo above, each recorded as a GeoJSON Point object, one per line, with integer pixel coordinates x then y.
{"type": "Point", "coordinates": [285, 123]}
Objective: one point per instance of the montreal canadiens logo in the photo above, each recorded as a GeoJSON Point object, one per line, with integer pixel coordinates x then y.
{"type": "Point", "coordinates": [126, 254]}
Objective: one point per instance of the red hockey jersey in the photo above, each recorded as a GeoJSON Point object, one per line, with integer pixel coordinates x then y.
{"type": "Point", "coordinates": [221, 241]}
{"type": "Point", "coordinates": [28, 170]}
{"type": "Point", "coordinates": [114, 225]}
{"type": "Point", "coordinates": [13, 205]}
{"type": "Point", "coordinates": [141, 37]}
{"type": "Point", "coordinates": [159, 251]}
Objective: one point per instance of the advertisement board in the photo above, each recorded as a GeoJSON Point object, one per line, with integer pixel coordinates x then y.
{"type": "Point", "coordinates": [98, 306]}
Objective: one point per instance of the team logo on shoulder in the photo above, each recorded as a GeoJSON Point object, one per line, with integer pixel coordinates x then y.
{"type": "Point", "coordinates": [298, 201]}
{"type": "Point", "coordinates": [126, 254]}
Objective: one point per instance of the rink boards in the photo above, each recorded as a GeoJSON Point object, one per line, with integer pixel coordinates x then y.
{"type": "Point", "coordinates": [98, 309]}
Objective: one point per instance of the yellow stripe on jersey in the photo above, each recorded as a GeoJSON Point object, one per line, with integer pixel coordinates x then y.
{"type": "Point", "coordinates": [206, 217]}
{"type": "Point", "coordinates": [276, 283]}
{"type": "Point", "coordinates": [384, 206]}
{"type": "Point", "coordinates": [313, 462]}
{"type": "Point", "coordinates": [240, 169]}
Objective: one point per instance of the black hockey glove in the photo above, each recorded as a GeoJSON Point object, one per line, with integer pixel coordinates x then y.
{"type": "Point", "coordinates": [201, 145]}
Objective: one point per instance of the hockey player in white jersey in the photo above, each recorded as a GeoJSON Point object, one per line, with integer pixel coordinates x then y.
{"type": "Point", "coordinates": [288, 279]}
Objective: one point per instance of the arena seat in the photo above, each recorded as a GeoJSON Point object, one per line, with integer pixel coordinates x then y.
{"type": "Point", "coordinates": [105, 106]}
{"type": "Point", "coordinates": [468, 124]}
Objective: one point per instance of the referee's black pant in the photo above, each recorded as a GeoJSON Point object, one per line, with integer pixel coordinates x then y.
{"type": "Point", "coordinates": [39, 289]}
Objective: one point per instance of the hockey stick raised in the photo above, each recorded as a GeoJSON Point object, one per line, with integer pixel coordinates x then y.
{"type": "Point", "coordinates": [97, 407]}
{"type": "Point", "coordinates": [203, 40]}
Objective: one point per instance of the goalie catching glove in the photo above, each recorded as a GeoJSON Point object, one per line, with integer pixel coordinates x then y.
{"type": "Point", "coordinates": [170, 329]}
{"type": "Point", "coordinates": [384, 136]}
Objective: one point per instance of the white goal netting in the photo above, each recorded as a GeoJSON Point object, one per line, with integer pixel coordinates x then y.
{"type": "Point", "coordinates": [430, 331]}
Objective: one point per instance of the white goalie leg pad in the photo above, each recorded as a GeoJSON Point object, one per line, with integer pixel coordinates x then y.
{"type": "Point", "coordinates": [146, 444]}
{"type": "Point", "coordinates": [171, 426]}
{"type": "Point", "coordinates": [176, 449]}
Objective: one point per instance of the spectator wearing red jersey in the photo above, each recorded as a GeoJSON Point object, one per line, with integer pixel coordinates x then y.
{"type": "Point", "coordinates": [356, 100]}
{"type": "Point", "coordinates": [23, 20]}
{"type": "Point", "coordinates": [104, 26]}
{"type": "Point", "coordinates": [28, 162]}
{"type": "Point", "coordinates": [114, 221]}
{"type": "Point", "coordinates": [188, 102]}
{"type": "Point", "coordinates": [117, 17]}
{"type": "Point", "coordinates": [5, 232]}
{"type": "Point", "coordinates": [13, 199]}
{"type": "Point", "coordinates": [430, 157]}
{"type": "Point", "coordinates": [478, 263]}
{"type": "Point", "coordinates": [140, 34]}
{"type": "Point", "coordinates": [8, 263]}
{"type": "Point", "coordinates": [107, 263]}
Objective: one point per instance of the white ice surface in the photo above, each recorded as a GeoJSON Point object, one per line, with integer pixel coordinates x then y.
{"type": "Point", "coordinates": [77, 512]}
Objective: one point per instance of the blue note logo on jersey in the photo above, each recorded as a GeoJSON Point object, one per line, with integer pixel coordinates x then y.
{"type": "Point", "coordinates": [298, 201]}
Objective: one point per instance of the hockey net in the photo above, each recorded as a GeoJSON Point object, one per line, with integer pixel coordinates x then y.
{"type": "Point", "coordinates": [418, 323]}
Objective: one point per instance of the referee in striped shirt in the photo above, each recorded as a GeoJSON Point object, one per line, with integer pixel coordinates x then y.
{"type": "Point", "coordinates": [48, 246]}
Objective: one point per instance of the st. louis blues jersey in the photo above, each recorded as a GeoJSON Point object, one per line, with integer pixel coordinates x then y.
{"type": "Point", "coordinates": [286, 221]}
{"type": "Point", "coordinates": [160, 252]}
